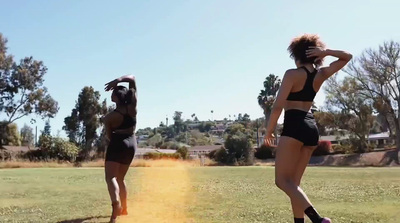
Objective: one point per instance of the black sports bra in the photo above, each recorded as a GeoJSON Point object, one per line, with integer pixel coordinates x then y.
{"type": "Point", "coordinates": [307, 93]}
{"type": "Point", "coordinates": [128, 120]}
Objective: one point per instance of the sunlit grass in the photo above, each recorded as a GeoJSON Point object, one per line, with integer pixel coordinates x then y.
{"type": "Point", "coordinates": [184, 192]}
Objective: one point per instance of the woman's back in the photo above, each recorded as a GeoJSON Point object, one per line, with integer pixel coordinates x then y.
{"type": "Point", "coordinates": [125, 120]}
{"type": "Point", "coordinates": [306, 83]}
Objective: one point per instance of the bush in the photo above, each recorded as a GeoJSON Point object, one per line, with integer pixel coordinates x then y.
{"type": "Point", "coordinates": [206, 126]}
{"type": "Point", "coordinates": [156, 140]}
{"type": "Point", "coordinates": [33, 155]}
{"type": "Point", "coordinates": [5, 155]}
{"type": "Point", "coordinates": [170, 145]}
{"type": "Point", "coordinates": [175, 146]}
{"type": "Point", "coordinates": [342, 149]}
{"type": "Point", "coordinates": [143, 144]}
{"type": "Point", "coordinates": [219, 155]}
{"type": "Point", "coordinates": [53, 148]}
{"type": "Point", "coordinates": [338, 149]}
{"type": "Point", "coordinates": [265, 152]}
{"type": "Point", "coordinates": [211, 154]}
{"type": "Point", "coordinates": [64, 150]}
{"type": "Point", "coordinates": [157, 156]}
{"type": "Point", "coordinates": [184, 152]}
{"type": "Point", "coordinates": [323, 148]}
{"type": "Point", "coordinates": [238, 146]}
{"type": "Point", "coordinates": [371, 147]}
{"type": "Point", "coordinates": [359, 146]}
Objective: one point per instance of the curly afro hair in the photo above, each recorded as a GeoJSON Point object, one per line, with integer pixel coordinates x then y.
{"type": "Point", "coordinates": [300, 44]}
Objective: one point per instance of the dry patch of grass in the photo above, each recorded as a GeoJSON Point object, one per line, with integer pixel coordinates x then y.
{"type": "Point", "coordinates": [27, 164]}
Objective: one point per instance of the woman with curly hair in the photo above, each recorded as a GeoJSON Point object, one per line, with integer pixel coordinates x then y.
{"type": "Point", "coordinates": [300, 135]}
{"type": "Point", "coordinates": [120, 127]}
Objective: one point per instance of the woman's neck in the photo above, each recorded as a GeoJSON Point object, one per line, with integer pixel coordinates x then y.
{"type": "Point", "coordinates": [119, 106]}
{"type": "Point", "coordinates": [309, 66]}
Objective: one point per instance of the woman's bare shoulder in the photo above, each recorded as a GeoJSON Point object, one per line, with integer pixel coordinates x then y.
{"type": "Point", "coordinates": [109, 117]}
{"type": "Point", "coordinates": [292, 74]}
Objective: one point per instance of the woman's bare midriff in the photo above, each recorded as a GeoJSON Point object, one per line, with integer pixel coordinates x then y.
{"type": "Point", "coordinates": [128, 131]}
{"type": "Point", "coordinates": [298, 105]}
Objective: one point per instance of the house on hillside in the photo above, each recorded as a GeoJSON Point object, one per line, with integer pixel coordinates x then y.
{"type": "Point", "coordinates": [202, 150]}
{"type": "Point", "coordinates": [379, 139]}
{"type": "Point", "coordinates": [17, 149]}
{"type": "Point", "coordinates": [194, 125]}
{"type": "Point", "coordinates": [9, 152]}
{"type": "Point", "coordinates": [218, 129]}
{"type": "Point", "coordinates": [334, 139]}
{"type": "Point", "coordinates": [139, 153]}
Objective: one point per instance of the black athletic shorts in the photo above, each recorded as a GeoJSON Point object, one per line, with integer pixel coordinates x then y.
{"type": "Point", "coordinates": [121, 148]}
{"type": "Point", "coordinates": [301, 125]}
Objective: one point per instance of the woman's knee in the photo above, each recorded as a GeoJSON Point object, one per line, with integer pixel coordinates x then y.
{"type": "Point", "coordinates": [109, 177]}
{"type": "Point", "coordinates": [283, 182]}
{"type": "Point", "coordinates": [121, 181]}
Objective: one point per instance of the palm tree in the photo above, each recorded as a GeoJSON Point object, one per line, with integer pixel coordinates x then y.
{"type": "Point", "coordinates": [267, 95]}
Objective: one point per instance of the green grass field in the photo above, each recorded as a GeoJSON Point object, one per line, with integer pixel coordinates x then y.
{"type": "Point", "coordinates": [197, 194]}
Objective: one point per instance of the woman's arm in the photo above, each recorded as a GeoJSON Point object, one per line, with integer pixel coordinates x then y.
{"type": "Point", "coordinates": [130, 79]}
{"type": "Point", "coordinates": [280, 101]}
{"type": "Point", "coordinates": [107, 120]}
{"type": "Point", "coordinates": [127, 78]}
{"type": "Point", "coordinates": [343, 58]}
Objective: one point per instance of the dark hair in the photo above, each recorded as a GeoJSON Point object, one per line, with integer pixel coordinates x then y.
{"type": "Point", "coordinates": [123, 94]}
{"type": "Point", "coordinates": [300, 44]}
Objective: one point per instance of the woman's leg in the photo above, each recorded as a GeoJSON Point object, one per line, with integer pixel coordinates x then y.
{"type": "Point", "coordinates": [302, 162]}
{"type": "Point", "coordinates": [123, 194]}
{"type": "Point", "coordinates": [111, 172]}
{"type": "Point", "coordinates": [287, 158]}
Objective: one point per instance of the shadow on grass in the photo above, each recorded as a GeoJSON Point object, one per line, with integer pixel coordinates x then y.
{"type": "Point", "coordinates": [81, 220]}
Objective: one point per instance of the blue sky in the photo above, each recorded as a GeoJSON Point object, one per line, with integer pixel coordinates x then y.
{"type": "Point", "coordinates": [189, 56]}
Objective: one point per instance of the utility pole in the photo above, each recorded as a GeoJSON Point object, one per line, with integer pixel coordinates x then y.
{"type": "Point", "coordinates": [36, 143]}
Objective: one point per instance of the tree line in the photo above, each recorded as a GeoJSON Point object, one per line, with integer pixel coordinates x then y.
{"type": "Point", "coordinates": [366, 100]}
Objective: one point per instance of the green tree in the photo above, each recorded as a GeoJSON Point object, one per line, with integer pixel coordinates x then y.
{"type": "Point", "coordinates": [47, 128]}
{"type": "Point", "coordinates": [146, 131]}
{"type": "Point", "coordinates": [45, 144]}
{"type": "Point", "coordinates": [377, 72]}
{"type": "Point", "coordinates": [81, 126]}
{"type": "Point", "coordinates": [12, 137]}
{"type": "Point", "coordinates": [206, 126]}
{"type": "Point", "coordinates": [178, 122]}
{"type": "Point", "coordinates": [184, 152]}
{"type": "Point", "coordinates": [72, 127]}
{"type": "Point", "coordinates": [244, 119]}
{"type": "Point", "coordinates": [27, 136]}
{"type": "Point", "coordinates": [267, 96]}
{"type": "Point", "coordinates": [156, 140]}
{"type": "Point", "coordinates": [239, 148]}
{"type": "Point", "coordinates": [347, 96]}
{"type": "Point", "coordinates": [22, 92]}
{"type": "Point", "coordinates": [196, 138]}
